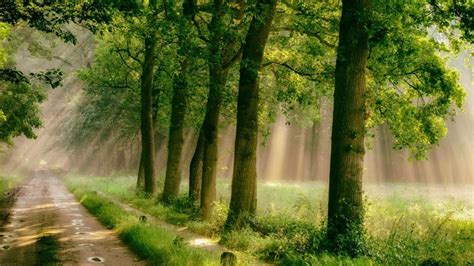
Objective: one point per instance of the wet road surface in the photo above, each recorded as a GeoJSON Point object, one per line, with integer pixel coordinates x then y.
{"type": "Point", "coordinates": [45, 209]}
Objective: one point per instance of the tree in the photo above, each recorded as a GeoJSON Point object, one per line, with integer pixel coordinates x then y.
{"type": "Point", "coordinates": [389, 66]}
{"type": "Point", "coordinates": [223, 49]}
{"type": "Point", "coordinates": [179, 104]}
{"type": "Point", "coordinates": [149, 13]}
{"type": "Point", "coordinates": [19, 110]}
{"type": "Point", "coordinates": [345, 217]}
{"type": "Point", "coordinates": [121, 98]}
{"type": "Point", "coordinates": [20, 94]}
{"type": "Point", "coordinates": [244, 181]}
{"type": "Point", "coordinates": [146, 116]}
{"type": "Point", "coordinates": [48, 17]}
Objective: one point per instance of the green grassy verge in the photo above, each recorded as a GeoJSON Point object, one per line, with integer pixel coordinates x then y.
{"type": "Point", "coordinates": [7, 182]}
{"type": "Point", "coordinates": [402, 227]}
{"type": "Point", "coordinates": [8, 191]}
{"type": "Point", "coordinates": [157, 246]}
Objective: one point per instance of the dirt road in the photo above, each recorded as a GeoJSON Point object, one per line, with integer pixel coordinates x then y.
{"type": "Point", "coordinates": [48, 225]}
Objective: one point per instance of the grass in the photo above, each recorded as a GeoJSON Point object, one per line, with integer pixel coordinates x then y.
{"type": "Point", "coordinates": [8, 191]}
{"type": "Point", "coordinates": [8, 182]}
{"type": "Point", "coordinates": [157, 246]}
{"type": "Point", "coordinates": [405, 223]}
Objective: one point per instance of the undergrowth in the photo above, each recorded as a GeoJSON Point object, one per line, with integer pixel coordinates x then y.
{"type": "Point", "coordinates": [289, 228]}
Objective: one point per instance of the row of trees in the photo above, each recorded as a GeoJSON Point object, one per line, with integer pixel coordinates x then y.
{"type": "Point", "coordinates": [159, 61]}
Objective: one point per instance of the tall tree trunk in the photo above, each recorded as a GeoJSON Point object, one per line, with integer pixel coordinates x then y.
{"type": "Point", "coordinates": [244, 183]}
{"type": "Point", "coordinates": [195, 169]}
{"type": "Point", "coordinates": [218, 78]}
{"type": "Point", "coordinates": [345, 208]}
{"type": "Point", "coordinates": [176, 135]}
{"type": "Point", "coordinates": [178, 105]}
{"type": "Point", "coordinates": [147, 127]}
{"type": "Point", "coordinates": [210, 127]}
{"type": "Point", "coordinates": [222, 51]}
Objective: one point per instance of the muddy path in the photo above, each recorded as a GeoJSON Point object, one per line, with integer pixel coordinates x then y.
{"type": "Point", "coordinates": [48, 226]}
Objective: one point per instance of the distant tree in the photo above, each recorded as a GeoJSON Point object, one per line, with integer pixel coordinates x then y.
{"type": "Point", "coordinates": [132, 45]}
{"type": "Point", "coordinates": [110, 106]}
{"type": "Point", "coordinates": [243, 201]}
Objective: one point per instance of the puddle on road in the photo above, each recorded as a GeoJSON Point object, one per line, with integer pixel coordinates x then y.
{"type": "Point", "coordinates": [96, 259]}
{"type": "Point", "coordinates": [80, 228]}
{"type": "Point", "coordinates": [5, 246]}
{"type": "Point", "coordinates": [86, 245]}
{"type": "Point", "coordinates": [77, 222]}
{"type": "Point", "coordinates": [6, 237]}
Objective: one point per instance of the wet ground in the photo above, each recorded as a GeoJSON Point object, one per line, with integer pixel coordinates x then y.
{"type": "Point", "coordinates": [48, 223]}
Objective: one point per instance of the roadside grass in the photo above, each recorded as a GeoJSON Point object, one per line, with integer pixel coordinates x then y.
{"type": "Point", "coordinates": [157, 246]}
{"type": "Point", "coordinates": [7, 182]}
{"type": "Point", "coordinates": [8, 191]}
{"type": "Point", "coordinates": [404, 225]}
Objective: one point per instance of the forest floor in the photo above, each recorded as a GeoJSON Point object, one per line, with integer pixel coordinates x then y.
{"type": "Point", "coordinates": [48, 226]}
{"type": "Point", "coordinates": [405, 223]}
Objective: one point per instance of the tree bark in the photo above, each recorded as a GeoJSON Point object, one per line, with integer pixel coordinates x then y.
{"type": "Point", "coordinates": [176, 135]}
{"type": "Point", "coordinates": [195, 169]}
{"type": "Point", "coordinates": [345, 207]}
{"type": "Point", "coordinates": [244, 183]}
{"type": "Point", "coordinates": [147, 127]}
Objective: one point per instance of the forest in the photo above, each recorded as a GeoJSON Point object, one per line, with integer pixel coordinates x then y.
{"type": "Point", "coordinates": [232, 132]}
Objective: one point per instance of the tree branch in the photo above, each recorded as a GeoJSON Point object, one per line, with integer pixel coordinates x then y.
{"type": "Point", "coordinates": [285, 65]}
